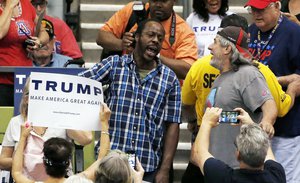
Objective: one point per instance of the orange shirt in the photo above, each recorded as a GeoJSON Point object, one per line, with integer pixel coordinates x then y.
{"type": "Point", "coordinates": [184, 47]}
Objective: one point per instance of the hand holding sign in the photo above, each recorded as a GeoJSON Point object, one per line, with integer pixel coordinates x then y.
{"type": "Point", "coordinates": [104, 117]}
{"type": "Point", "coordinates": [64, 101]}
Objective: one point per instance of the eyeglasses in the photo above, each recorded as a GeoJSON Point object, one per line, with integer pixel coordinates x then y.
{"type": "Point", "coordinates": [251, 9]}
{"type": "Point", "coordinates": [42, 5]}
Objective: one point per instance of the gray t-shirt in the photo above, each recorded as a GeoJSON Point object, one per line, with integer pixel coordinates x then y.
{"type": "Point", "coordinates": [245, 88]}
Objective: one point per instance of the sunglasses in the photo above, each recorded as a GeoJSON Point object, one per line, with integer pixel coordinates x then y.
{"type": "Point", "coordinates": [42, 4]}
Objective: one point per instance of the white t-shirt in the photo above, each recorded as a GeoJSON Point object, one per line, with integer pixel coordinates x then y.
{"type": "Point", "coordinates": [205, 32]}
{"type": "Point", "coordinates": [32, 159]}
{"type": "Point", "coordinates": [12, 133]}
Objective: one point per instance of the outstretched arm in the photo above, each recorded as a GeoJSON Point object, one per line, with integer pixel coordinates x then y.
{"type": "Point", "coordinates": [201, 145]}
{"type": "Point", "coordinates": [109, 41]}
{"type": "Point", "coordinates": [291, 17]}
{"type": "Point", "coordinates": [269, 110]}
{"type": "Point", "coordinates": [41, 39]}
{"type": "Point", "coordinates": [286, 80]}
{"type": "Point", "coordinates": [138, 174]}
{"type": "Point", "coordinates": [80, 136]}
{"type": "Point", "coordinates": [293, 91]}
{"type": "Point", "coordinates": [17, 163]}
{"type": "Point", "coordinates": [104, 141]}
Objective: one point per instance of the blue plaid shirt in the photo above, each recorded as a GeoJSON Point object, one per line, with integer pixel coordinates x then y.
{"type": "Point", "coordinates": [139, 108]}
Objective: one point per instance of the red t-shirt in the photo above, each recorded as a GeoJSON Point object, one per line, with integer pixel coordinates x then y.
{"type": "Point", "coordinates": [65, 42]}
{"type": "Point", "coordinates": [12, 52]}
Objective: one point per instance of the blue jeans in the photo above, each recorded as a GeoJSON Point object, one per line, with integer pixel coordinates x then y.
{"type": "Point", "coordinates": [287, 153]}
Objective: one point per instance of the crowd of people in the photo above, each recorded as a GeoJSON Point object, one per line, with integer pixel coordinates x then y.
{"type": "Point", "coordinates": [160, 71]}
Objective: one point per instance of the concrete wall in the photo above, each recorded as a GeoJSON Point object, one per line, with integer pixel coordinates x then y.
{"type": "Point", "coordinates": [55, 8]}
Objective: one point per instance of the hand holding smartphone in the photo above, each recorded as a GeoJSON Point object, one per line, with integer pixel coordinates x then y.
{"type": "Point", "coordinates": [131, 159]}
{"type": "Point", "coordinates": [229, 117]}
{"type": "Point", "coordinates": [29, 42]}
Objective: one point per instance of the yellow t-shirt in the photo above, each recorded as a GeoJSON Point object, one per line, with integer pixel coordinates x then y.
{"type": "Point", "coordinates": [283, 100]}
{"type": "Point", "coordinates": [201, 76]}
{"type": "Point", "coordinates": [197, 85]}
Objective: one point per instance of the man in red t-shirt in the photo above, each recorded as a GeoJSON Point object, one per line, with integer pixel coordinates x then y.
{"type": "Point", "coordinates": [65, 42]}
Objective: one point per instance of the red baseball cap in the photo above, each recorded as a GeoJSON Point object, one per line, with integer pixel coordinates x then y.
{"type": "Point", "coordinates": [259, 4]}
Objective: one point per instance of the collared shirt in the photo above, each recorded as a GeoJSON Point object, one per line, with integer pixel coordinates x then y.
{"type": "Point", "coordinates": [140, 107]}
{"type": "Point", "coordinates": [58, 60]}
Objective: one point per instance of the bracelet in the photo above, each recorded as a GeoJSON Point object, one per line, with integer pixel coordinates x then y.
{"type": "Point", "coordinates": [104, 132]}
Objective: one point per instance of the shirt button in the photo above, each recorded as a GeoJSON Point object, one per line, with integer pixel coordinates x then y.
{"type": "Point", "coordinates": [136, 113]}
{"type": "Point", "coordinates": [132, 141]}
{"type": "Point", "coordinates": [134, 127]}
{"type": "Point", "coordinates": [138, 99]}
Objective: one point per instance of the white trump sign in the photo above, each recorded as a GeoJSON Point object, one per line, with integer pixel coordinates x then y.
{"type": "Point", "coordinates": [64, 101]}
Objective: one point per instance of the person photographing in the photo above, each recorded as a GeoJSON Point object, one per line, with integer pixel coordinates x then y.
{"type": "Point", "coordinates": [253, 152]}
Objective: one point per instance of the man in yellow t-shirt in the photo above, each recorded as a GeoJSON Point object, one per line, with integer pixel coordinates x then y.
{"type": "Point", "coordinates": [201, 76]}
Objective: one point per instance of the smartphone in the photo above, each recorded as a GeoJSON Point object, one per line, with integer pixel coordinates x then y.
{"type": "Point", "coordinates": [138, 6]}
{"type": "Point", "coordinates": [29, 42]}
{"type": "Point", "coordinates": [229, 117]}
{"type": "Point", "coordinates": [131, 158]}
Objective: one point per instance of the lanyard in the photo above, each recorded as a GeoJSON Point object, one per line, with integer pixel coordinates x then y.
{"type": "Point", "coordinates": [261, 48]}
{"type": "Point", "coordinates": [173, 29]}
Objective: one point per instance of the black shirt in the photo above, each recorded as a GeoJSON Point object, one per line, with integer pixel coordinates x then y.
{"type": "Point", "coordinates": [217, 171]}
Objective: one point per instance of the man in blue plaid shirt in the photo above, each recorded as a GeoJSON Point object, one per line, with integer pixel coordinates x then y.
{"type": "Point", "coordinates": [144, 97]}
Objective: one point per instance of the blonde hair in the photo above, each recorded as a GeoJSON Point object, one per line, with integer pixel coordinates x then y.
{"type": "Point", "coordinates": [77, 179]}
{"type": "Point", "coordinates": [114, 168]}
{"type": "Point", "coordinates": [24, 100]}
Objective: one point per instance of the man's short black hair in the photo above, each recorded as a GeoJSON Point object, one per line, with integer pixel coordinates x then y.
{"type": "Point", "coordinates": [235, 20]}
{"type": "Point", "coordinates": [143, 23]}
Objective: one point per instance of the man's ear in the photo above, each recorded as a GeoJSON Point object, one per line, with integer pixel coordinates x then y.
{"type": "Point", "coordinates": [278, 5]}
{"type": "Point", "coordinates": [228, 50]}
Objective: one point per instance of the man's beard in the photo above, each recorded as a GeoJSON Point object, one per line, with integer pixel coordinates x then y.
{"type": "Point", "coordinates": [215, 62]}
